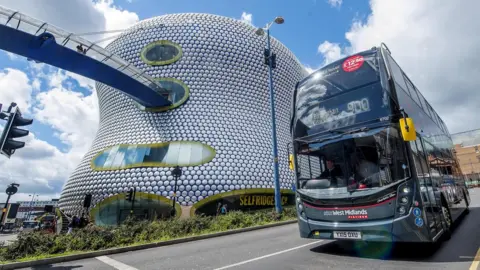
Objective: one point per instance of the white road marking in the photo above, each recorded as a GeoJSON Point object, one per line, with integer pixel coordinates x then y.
{"type": "Point", "coordinates": [116, 264]}
{"type": "Point", "coordinates": [269, 255]}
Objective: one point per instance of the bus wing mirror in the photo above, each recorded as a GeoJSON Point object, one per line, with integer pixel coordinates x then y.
{"type": "Point", "coordinates": [290, 162]}
{"type": "Point", "coordinates": [408, 129]}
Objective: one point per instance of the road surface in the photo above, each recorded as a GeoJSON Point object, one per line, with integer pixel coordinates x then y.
{"type": "Point", "coordinates": [7, 238]}
{"type": "Point", "coordinates": [282, 248]}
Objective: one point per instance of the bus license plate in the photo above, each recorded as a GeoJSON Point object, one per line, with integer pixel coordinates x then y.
{"type": "Point", "coordinates": [347, 235]}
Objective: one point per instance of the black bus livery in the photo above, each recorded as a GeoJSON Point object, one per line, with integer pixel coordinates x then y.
{"type": "Point", "coordinates": [373, 161]}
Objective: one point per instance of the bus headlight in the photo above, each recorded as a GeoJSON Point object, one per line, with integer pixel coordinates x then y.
{"type": "Point", "coordinates": [300, 207]}
{"type": "Point", "coordinates": [406, 194]}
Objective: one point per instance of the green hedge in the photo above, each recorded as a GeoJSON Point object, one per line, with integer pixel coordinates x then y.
{"type": "Point", "coordinates": [34, 244]}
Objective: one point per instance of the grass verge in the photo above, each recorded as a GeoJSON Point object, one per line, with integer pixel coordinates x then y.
{"type": "Point", "coordinates": [39, 245]}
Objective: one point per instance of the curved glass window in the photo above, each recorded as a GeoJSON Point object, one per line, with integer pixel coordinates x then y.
{"type": "Point", "coordinates": [162, 52]}
{"type": "Point", "coordinates": [178, 94]}
{"type": "Point", "coordinates": [167, 154]}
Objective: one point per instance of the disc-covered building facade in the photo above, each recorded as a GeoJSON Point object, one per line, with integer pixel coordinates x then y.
{"type": "Point", "coordinates": [218, 128]}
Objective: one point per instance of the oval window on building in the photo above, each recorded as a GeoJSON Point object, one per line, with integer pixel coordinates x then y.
{"type": "Point", "coordinates": [167, 154]}
{"type": "Point", "coordinates": [162, 52]}
{"type": "Point", "coordinates": [178, 93]}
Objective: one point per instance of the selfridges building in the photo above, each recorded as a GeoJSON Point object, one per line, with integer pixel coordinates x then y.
{"type": "Point", "coordinates": [218, 128]}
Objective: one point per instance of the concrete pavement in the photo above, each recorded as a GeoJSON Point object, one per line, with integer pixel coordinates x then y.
{"type": "Point", "coordinates": [282, 248]}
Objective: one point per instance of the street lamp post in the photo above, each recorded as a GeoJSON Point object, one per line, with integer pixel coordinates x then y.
{"type": "Point", "coordinates": [176, 172]}
{"type": "Point", "coordinates": [270, 60]}
{"type": "Point", "coordinates": [31, 205]}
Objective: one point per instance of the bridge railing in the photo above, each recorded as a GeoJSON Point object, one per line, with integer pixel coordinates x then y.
{"type": "Point", "coordinates": [35, 27]}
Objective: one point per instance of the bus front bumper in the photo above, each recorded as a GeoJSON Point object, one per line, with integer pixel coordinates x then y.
{"type": "Point", "coordinates": [376, 231]}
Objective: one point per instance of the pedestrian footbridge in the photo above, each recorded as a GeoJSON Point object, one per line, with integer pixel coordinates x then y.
{"type": "Point", "coordinates": [42, 42]}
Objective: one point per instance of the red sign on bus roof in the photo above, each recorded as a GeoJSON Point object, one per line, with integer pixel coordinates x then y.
{"type": "Point", "coordinates": [353, 63]}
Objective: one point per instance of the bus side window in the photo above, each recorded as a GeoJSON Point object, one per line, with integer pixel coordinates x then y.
{"type": "Point", "coordinates": [420, 165]}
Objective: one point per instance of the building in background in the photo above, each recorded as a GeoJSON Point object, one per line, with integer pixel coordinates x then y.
{"type": "Point", "coordinates": [30, 210]}
{"type": "Point", "coordinates": [218, 129]}
{"type": "Point", "coordinates": [467, 147]}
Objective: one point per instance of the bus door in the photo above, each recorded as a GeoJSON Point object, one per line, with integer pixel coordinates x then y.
{"type": "Point", "coordinates": [430, 205]}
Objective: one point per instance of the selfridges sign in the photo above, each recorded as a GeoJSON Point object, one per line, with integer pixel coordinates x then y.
{"type": "Point", "coordinates": [345, 212]}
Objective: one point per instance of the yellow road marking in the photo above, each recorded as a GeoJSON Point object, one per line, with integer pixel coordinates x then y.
{"type": "Point", "coordinates": [476, 261]}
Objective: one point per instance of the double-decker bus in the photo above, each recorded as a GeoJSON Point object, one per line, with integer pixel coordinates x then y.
{"type": "Point", "coordinates": [373, 161]}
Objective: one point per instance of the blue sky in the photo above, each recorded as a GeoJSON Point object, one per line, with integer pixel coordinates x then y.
{"type": "Point", "coordinates": [307, 22]}
{"type": "Point", "coordinates": [306, 26]}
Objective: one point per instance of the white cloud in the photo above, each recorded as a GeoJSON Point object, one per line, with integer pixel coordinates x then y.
{"type": "Point", "coordinates": [55, 79]}
{"type": "Point", "coordinates": [38, 167]}
{"type": "Point", "coordinates": [330, 51]}
{"type": "Point", "coordinates": [335, 3]}
{"type": "Point", "coordinates": [115, 17]}
{"type": "Point", "coordinates": [41, 167]}
{"type": "Point", "coordinates": [36, 84]}
{"type": "Point", "coordinates": [82, 81]}
{"type": "Point", "coordinates": [12, 56]}
{"type": "Point", "coordinates": [309, 69]}
{"type": "Point", "coordinates": [15, 87]}
{"type": "Point", "coordinates": [72, 114]}
{"type": "Point", "coordinates": [78, 16]}
{"type": "Point", "coordinates": [433, 42]}
{"type": "Point", "coordinates": [247, 18]}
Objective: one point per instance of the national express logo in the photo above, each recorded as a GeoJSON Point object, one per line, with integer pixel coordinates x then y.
{"type": "Point", "coordinates": [351, 214]}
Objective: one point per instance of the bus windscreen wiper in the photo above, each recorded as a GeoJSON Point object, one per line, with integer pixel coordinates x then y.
{"type": "Point", "coordinates": [348, 132]}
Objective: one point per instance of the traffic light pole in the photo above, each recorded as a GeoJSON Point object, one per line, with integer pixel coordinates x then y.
{"type": "Point", "coordinates": [11, 189]}
{"type": "Point", "coordinates": [4, 210]}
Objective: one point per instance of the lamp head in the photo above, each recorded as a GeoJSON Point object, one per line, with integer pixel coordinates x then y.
{"type": "Point", "coordinates": [279, 20]}
{"type": "Point", "coordinates": [260, 32]}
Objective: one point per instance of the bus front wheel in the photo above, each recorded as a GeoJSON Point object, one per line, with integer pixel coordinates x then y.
{"type": "Point", "coordinates": [467, 209]}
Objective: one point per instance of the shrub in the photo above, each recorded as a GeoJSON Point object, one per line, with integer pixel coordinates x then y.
{"type": "Point", "coordinates": [133, 231]}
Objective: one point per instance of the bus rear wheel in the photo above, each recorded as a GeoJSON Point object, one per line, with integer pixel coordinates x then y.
{"type": "Point", "coordinates": [447, 219]}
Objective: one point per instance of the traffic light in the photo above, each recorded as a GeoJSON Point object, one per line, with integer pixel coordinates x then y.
{"type": "Point", "coordinates": [129, 195]}
{"type": "Point", "coordinates": [11, 131]}
{"type": "Point", "coordinates": [87, 201]}
{"type": "Point", "coordinates": [274, 60]}
{"type": "Point", "coordinates": [268, 56]}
